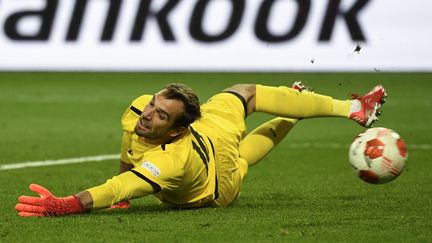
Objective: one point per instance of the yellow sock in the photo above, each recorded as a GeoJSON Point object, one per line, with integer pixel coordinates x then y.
{"type": "Point", "coordinates": [264, 138]}
{"type": "Point", "coordinates": [287, 102]}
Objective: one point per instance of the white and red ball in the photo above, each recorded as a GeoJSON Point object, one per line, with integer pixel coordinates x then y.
{"type": "Point", "coordinates": [378, 155]}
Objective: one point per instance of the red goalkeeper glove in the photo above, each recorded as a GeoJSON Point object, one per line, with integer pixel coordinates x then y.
{"type": "Point", "coordinates": [47, 204]}
{"type": "Point", "coordinates": [123, 205]}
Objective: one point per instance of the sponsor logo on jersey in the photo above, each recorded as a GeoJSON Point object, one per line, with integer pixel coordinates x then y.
{"type": "Point", "coordinates": [151, 167]}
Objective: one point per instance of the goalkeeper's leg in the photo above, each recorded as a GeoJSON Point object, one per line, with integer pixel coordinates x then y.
{"type": "Point", "coordinates": [264, 138]}
{"type": "Point", "coordinates": [290, 102]}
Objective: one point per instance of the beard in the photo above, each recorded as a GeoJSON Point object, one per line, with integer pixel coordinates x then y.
{"type": "Point", "coordinates": [148, 133]}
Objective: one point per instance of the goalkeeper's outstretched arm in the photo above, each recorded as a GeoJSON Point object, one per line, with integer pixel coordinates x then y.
{"type": "Point", "coordinates": [119, 188]}
{"type": "Point", "coordinates": [122, 169]}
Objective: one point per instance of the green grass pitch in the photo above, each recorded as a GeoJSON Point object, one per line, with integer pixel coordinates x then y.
{"type": "Point", "coordinates": [304, 190]}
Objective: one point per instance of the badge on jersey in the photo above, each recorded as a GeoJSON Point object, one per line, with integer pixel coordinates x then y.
{"type": "Point", "coordinates": [151, 167]}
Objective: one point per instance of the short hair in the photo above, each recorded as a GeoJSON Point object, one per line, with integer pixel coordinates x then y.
{"type": "Point", "coordinates": [181, 92]}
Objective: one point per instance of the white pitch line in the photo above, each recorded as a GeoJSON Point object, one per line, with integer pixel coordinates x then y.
{"type": "Point", "coordinates": [21, 165]}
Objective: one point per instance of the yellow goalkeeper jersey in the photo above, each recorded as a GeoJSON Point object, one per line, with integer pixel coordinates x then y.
{"type": "Point", "coordinates": [182, 173]}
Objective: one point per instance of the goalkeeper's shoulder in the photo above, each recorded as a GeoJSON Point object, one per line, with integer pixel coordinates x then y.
{"type": "Point", "coordinates": [133, 111]}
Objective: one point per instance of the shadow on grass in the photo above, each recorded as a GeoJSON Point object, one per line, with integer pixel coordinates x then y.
{"type": "Point", "coordinates": [296, 201]}
{"type": "Point", "coordinates": [149, 210]}
{"type": "Point", "coordinates": [274, 201]}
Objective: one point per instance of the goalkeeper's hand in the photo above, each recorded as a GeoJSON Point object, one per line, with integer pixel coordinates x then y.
{"type": "Point", "coordinates": [122, 204]}
{"type": "Point", "coordinates": [47, 204]}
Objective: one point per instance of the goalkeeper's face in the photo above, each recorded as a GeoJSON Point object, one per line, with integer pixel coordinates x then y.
{"type": "Point", "coordinates": [157, 119]}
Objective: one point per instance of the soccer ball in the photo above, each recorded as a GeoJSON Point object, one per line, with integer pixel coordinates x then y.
{"type": "Point", "coordinates": [378, 155]}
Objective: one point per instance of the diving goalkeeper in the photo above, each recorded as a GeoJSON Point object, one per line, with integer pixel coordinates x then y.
{"type": "Point", "coordinates": [191, 156]}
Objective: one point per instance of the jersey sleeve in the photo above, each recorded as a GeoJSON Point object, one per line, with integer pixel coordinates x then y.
{"type": "Point", "coordinates": [125, 186]}
{"type": "Point", "coordinates": [161, 171]}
